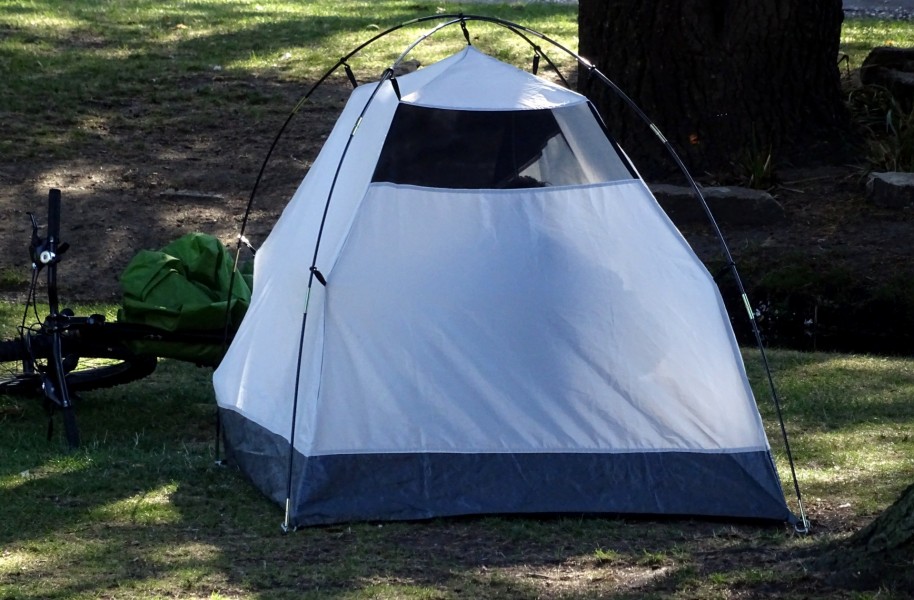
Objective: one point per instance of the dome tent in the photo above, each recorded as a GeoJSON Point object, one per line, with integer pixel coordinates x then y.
{"type": "Point", "coordinates": [503, 321]}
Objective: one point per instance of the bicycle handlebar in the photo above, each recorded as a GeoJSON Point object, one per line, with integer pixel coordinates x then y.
{"type": "Point", "coordinates": [54, 217]}
{"type": "Point", "coordinates": [49, 255]}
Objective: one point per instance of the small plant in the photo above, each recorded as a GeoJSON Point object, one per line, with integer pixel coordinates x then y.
{"type": "Point", "coordinates": [887, 127]}
{"type": "Point", "coordinates": [605, 556]}
{"type": "Point", "coordinates": [652, 559]}
{"type": "Point", "coordinates": [756, 166]}
{"type": "Point", "coordinates": [718, 578]}
{"type": "Point", "coordinates": [758, 169]}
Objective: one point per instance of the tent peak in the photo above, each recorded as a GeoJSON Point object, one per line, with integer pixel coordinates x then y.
{"type": "Point", "coordinates": [473, 80]}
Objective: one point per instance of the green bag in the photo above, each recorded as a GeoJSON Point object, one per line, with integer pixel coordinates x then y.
{"type": "Point", "coordinates": [184, 287]}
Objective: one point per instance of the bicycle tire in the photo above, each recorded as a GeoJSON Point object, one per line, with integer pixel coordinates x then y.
{"type": "Point", "coordinates": [123, 367]}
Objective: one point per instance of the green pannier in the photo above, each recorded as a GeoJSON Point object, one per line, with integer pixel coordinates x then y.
{"type": "Point", "coordinates": [184, 287]}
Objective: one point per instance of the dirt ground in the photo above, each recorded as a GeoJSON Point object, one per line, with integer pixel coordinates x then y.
{"type": "Point", "coordinates": [128, 191]}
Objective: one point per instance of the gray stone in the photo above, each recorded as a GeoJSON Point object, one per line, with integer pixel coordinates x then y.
{"type": "Point", "coordinates": [893, 189]}
{"type": "Point", "coordinates": [892, 68]}
{"type": "Point", "coordinates": [735, 206]}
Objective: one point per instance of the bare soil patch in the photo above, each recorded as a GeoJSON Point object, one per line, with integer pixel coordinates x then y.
{"type": "Point", "coordinates": [127, 190]}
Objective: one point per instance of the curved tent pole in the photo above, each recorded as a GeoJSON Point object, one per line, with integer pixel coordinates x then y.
{"type": "Point", "coordinates": [314, 273]}
{"type": "Point", "coordinates": [803, 525]}
{"type": "Point", "coordinates": [523, 32]}
{"type": "Point", "coordinates": [342, 62]}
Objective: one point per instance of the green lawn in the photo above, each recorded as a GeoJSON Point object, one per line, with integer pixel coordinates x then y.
{"type": "Point", "coordinates": [74, 71]}
{"type": "Point", "coordinates": [859, 36]}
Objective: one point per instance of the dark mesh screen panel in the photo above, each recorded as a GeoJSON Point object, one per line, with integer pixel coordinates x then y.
{"type": "Point", "coordinates": [441, 148]}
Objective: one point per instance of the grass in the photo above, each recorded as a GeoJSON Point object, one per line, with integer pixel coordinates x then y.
{"type": "Point", "coordinates": [850, 424]}
{"type": "Point", "coordinates": [860, 35]}
{"type": "Point", "coordinates": [142, 510]}
{"type": "Point", "coordinates": [100, 68]}
{"type": "Point", "coordinates": [885, 123]}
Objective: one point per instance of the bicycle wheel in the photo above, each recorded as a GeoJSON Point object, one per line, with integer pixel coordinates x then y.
{"type": "Point", "coordinates": [89, 366]}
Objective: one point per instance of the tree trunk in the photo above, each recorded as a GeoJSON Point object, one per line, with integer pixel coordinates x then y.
{"type": "Point", "coordinates": [727, 82]}
{"type": "Point", "coordinates": [880, 554]}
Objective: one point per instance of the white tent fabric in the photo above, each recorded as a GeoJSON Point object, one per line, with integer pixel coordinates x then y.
{"type": "Point", "coordinates": [548, 349]}
{"type": "Point", "coordinates": [541, 321]}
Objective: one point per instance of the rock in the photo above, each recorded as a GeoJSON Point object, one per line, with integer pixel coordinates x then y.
{"type": "Point", "coordinates": [893, 189]}
{"type": "Point", "coordinates": [892, 68]}
{"type": "Point", "coordinates": [736, 206]}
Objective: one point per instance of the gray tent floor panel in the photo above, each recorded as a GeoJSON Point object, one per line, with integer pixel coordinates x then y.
{"type": "Point", "coordinates": [410, 486]}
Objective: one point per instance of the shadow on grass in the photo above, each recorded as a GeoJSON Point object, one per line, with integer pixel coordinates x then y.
{"type": "Point", "coordinates": [143, 511]}
{"type": "Point", "coordinates": [196, 530]}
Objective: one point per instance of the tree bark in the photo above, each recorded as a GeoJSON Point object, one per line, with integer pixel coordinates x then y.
{"type": "Point", "coordinates": [725, 81]}
{"type": "Point", "coordinates": [880, 554]}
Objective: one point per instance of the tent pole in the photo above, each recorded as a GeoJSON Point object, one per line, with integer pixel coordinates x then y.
{"type": "Point", "coordinates": [287, 519]}
{"type": "Point", "coordinates": [314, 272]}
{"type": "Point", "coordinates": [803, 525]}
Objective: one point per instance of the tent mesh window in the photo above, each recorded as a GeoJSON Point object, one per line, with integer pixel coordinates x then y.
{"type": "Point", "coordinates": [467, 149]}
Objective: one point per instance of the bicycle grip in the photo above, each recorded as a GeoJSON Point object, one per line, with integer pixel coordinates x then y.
{"type": "Point", "coordinates": [54, 214]}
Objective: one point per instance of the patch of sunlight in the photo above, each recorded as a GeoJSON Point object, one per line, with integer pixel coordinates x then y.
{"type": "Point", "coordinates": [71, 463]}
{"type": "Point", "coordinates": [44, 561]}
{"type": "Point", "coordinates": [62, 564]}
{"type": "Point", "coordinates": [372, 60]}
{"type": "Point", "coordinates": [866, 449]}
{"type": "Point", "coordinates": [853, 364]}
{"type": "Point", "coordinates": [182, 32]}
{"type": "Point", "coordinates": [13, 561]}
{"type": "Point", "coordinates": [833, 476]}
{"type": "Point", "coordinates": [184, 554]}
{"type": "Point", "coordinates": [153, 506]}
{"type": "Point", "coordinates": [91, 124]}
{"type": "Point", "coordinates": [194, 579]}
{"type": "Point", "coordinates": [394, 589]}
{"type": "Point", "coordinates": [121, 52]}
{"type": "Point", "coordinates": [13, 481]}
{"type": "Point", "coordinates": [876, 33]}
{"type": "Point", "coordinates": [861, 439]}
{"type": "Point", "coordinates": [58, 24]}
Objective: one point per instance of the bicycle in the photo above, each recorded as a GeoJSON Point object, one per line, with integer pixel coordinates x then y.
{"type": "Point", "coordinates": [61, 355]}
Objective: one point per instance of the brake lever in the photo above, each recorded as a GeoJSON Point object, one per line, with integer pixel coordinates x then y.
{"type": "Point", "coordinates": [36, 245]}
